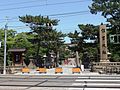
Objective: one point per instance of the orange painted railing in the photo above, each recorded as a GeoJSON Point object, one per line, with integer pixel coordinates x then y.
{"type": "Point", "coordinates": [42, 70]}
{"type": "Point", "coordinates": [76, 70]}
{"type": "Point", "coordinates": [25, 70]}
{"type": "Point", "coordinates": [58, 70]}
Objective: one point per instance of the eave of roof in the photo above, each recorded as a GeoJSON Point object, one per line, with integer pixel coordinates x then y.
{"type": "Point", "coordinates": [17, 50]}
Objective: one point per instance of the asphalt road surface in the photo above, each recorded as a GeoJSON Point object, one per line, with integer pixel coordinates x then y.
{"type": "Point", "coordinates": [59, 82]}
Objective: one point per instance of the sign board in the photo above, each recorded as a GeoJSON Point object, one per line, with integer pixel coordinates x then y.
{"type": "Point", "coordinates": [115, 38]}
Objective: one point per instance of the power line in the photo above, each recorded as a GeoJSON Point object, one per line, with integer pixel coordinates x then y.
{"type": "Point", "coordinates": [79, 1]}
{"type": "Point", "coordinates": [25, 27]}
{"type": "Point", "coordinates": [21, 28]}
{"type": "Point", "coordinates": [69, 14]}
{"type": "Point", "coordinates": [6, 9]}
{"type": "Point", "coordinates": [9, 4]}
{"type": "Point", "coordinates": [17, 26]}
{"type": "Point", "coordinates": [13, 18]}
{"type": "Point", "coordinates": [28, 27]}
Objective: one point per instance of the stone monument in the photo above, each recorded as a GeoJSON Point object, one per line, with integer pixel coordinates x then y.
{"type": "Point", "coordinates": [103, 44]}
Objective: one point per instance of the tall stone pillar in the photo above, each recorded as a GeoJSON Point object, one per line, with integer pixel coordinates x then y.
{"type": "Point", "coordinates": [103, 44]}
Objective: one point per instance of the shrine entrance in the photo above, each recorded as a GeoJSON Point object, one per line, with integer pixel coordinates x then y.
{"type": "Point", "coordinates": [17, 56]}
{"type": "Point", "coordinates": [105, 66]}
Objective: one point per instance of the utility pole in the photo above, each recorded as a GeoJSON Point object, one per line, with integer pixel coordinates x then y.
{"type": "Point", "coordinates": [5, 40]}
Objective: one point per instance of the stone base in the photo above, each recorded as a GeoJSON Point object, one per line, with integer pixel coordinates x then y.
{"type": "Point", "coordinates": [107, 67]}
{"type": "Point", "coordinates": [15, 69]}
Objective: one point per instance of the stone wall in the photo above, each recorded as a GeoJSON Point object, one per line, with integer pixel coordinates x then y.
{"type": "Point", "coordinates": [106, 67]}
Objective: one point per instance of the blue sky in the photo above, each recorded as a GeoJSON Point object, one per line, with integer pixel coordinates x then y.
{"type": "Point", "coordinates": [14, 8]}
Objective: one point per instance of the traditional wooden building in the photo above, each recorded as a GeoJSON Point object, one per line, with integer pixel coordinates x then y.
{"type": "Point", "coordinates": [17, 56]}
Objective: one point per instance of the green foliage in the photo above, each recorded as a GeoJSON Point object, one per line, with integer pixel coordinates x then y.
{"type": "Point", "coordinates": [76, 41]}
{"type": "Point", "coordinates": [115, 57]}
{"type": "Point", "coordinates": [22, 41]}
{"type": "Point", "coordinates": [1, 56]}
{"type": "Point", "coordinates": [38, 20]}
{"type": "Point", "coordinates": [64, 52]}
{"type": "Point", "coordinates": [89, 31]}
{"type": "Point", "coordinates": [10, 41]}
{"type": "Point", "coordinates": [45, 38]}
{"type": "Point", "coordinates": [110, 9]}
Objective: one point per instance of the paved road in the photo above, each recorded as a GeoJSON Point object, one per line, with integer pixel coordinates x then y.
{"type": "Point", "coordinates": [60, 82]}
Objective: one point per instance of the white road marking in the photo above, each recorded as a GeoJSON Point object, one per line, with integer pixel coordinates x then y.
{"type": "Point", "coordinates": [97, 84]}
{"type": "Point", "coordinates": [93, 89]}
{"type": "Point", "coordinates": [97, 80]}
